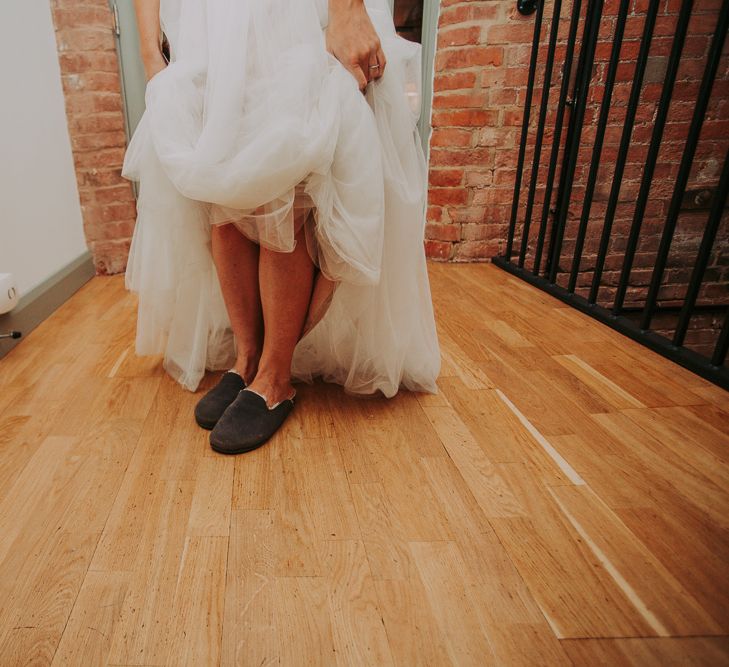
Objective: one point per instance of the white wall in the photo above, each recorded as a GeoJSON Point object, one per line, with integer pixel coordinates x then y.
{"type": "Point", "coordinates": [40, 217]}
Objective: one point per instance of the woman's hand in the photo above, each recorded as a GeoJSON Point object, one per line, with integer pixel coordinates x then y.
{"type": "Point", "coordinates": [352, 40]}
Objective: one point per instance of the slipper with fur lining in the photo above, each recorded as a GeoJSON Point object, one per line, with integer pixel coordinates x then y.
{"type": "Point", "coordinates": [248, 423]}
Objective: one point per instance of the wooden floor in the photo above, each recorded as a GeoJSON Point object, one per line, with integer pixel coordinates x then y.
{"type": "Point", "coordinates": [563, 500]}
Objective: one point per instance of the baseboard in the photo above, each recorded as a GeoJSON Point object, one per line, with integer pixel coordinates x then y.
{"type": "Point", "coordinates": [42, 300]}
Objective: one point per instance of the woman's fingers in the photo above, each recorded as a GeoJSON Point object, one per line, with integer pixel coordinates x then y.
{"type": "Point", "coordinates": [373, 67]}
{"type": "Point", "coordinates": [351, 38]}
{"type": "Point", "coordinates": [375, 62]}
{"type": "Point", "coordinates": [365, 59]}
{"type": "Point", "coordinates": [359, 74]}
{"type": "Point", "coordinates": [381, 61]}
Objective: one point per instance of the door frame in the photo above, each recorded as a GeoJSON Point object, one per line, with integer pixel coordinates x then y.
{"type": "Point", "coordinates": [131, 69]}
{"type": "Point", "coordinates": [429, 38]}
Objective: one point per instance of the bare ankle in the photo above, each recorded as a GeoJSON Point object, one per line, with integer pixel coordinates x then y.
{"type": "Point", "coordinates": [273, 385]}
{"type": "Point", "coordinates": [247, 367]}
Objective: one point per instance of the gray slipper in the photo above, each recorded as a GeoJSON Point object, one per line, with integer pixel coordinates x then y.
{"type": "Point", "coordinates": [211, 406]}
{"type": "Point", "coordinates": [248, 423]}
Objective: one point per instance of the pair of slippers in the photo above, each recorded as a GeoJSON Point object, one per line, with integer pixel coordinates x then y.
{"type": "Point", "coordinates": [239, 418]}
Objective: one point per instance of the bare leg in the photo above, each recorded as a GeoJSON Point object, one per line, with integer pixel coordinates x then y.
{"type": "Point", "coordinates": [286, 281]}
{"type": "Point", "coordinates": [321, 298]}
{"type": "Point", "coordinates": [236, 261]}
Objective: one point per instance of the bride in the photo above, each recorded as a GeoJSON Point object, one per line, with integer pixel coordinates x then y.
{"type": "Point", "coordinates": [281, 208]}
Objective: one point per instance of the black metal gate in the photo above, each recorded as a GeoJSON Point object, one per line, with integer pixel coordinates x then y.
{"type": "Point", "coordinates": [648, 256]}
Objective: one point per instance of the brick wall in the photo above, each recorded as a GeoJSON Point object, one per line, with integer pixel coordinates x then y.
{"type": "Point", "coordinates": [477, 105]}
{"type": "Point", "coordinates": [90, 76]}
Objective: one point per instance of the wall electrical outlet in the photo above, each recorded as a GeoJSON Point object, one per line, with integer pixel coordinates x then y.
{"type": "Point", "coordinates": [8, 293]}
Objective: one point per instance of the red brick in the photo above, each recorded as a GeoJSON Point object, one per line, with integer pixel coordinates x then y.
{"type": "Point", "coordinates": [446, 177]}
{"type": "Point", "coordinates": [513, 117]}
{"type": "Point", "coordinates": [479, 179]}
{"type": "Point", "coordinates": [510, 33]}
{"type": "Point", "coordinates": [465, 118]}
{"type": "Point", "coordinates": [99, 177]}
{"type": "Point", "coordinates": [471, 56]}
{"type": "Point", "coordinates": [477, 232]}
{"type": "Point", "coordinates": [443, 232]}
{"type": "Point", "coordinates": [471, 250]}
{"type": "Point", "coordinates": [438, 249]}
{"type": "Point", "coordinates": [98, 122]}
{"type": "Point", "coordinates": [467, 214]}
{"type": "Point", "coordinates": [434, 214]}
{"type": "Point", "coordinates": [482, 157]}
{"type": "Point", "coordinates": [93, 142]}
{"type": "Point", "coordinates": [442, 196]}
{"type": "Point", "coordinates": [450, 137]}
{"type": "Point", "coordinates": [99, 61]}
{"type": "Point", "coordinates": [471, 100]}
{"type": "Point", "coordinates": [85, 39]}
{"type": "Point", "coordinates": [92, 81]}
{"type": "Point", "coordinates": [459, 36]}
{"type": "Point", "coordinates": [110, 256]}
{"type": "Point", "coordinates": [456, 81]}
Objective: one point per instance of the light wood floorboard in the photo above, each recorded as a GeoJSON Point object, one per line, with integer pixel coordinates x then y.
{"type": "Point", "coordinates": [563, 499]}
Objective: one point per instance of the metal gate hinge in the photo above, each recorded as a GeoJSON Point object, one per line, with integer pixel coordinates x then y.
{"type": "Point", "coordinates": [115, 16]}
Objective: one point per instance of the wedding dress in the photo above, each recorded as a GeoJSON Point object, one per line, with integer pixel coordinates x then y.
{"type": "Point", "coordinates": [254, 123]}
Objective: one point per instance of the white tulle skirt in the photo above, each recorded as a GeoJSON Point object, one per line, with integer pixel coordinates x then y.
{"type": "Point", "coordinates": [254, 123]}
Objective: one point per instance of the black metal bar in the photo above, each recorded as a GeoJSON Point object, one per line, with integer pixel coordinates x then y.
{"type": "Point", "coordinates": [692, 140]}
{"type": "Point", "coordinates": [525, 127]}
{"type": "Point", "coordinates": [655, 144]}
{"type": "Point", "coordinates": [702, 257]}
{"type": "Point", "coordinates": [597, 146]}
{"type": "Point", "coordinates": [711, 370]}
{"type": "Point", "coordinates": [722, 345]}
{"type": "Point", "coordinates": [540, 129]}
{"type": "Point", "coordinates": [557, 138]}
{"type": "Point", "coordinates": [566, 153]}
{"type": "Point", "coordinates": [645, 45]}
{"type": "Point", "coordinates": [583, 86]}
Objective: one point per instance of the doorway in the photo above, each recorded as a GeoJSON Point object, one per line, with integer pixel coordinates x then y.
{"type": "Point", "coordinates": [417, 20]}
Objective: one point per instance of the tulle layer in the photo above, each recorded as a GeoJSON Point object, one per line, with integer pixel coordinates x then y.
{"type": "Point", "coordinates": [254, 123]}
